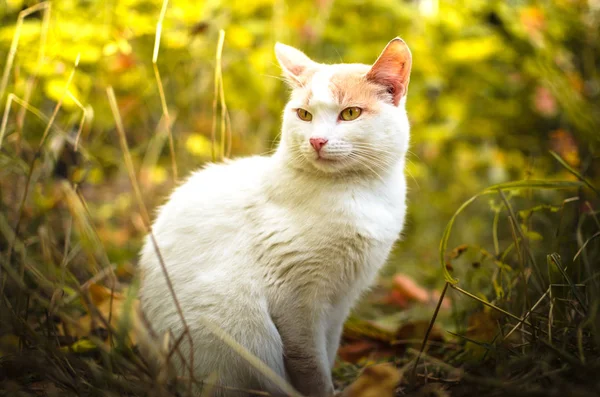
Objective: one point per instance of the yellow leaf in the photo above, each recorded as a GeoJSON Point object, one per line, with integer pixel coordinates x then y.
{"type": "Point", "coordinates": [99, 293]}
{"type": "Point", "coordinates": [176, 39]}
{"type": "Point", "coordinates": [158, 174]}
{"type": "Point", "coordinates": [534, 236]}
{"type": "Point", "coordinates": [375, 381]}
{"type": "Point", "coordinates": [471, 50]}
{"type": "Point", "coordinates": [55, 89]}
{"type": "Point", "coordinates": [9, 344]}
{"type": "Point", "coordinates": [81, 346]}
{"type": "Point", "coordinates": [239, 37]}
{"type": "Point", "coordinates": [198, 145]}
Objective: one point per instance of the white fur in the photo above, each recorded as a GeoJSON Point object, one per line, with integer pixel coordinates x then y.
{"type": "Point", "coordinates": [276, 250]}
{"type": "Point", "coordinates": [320, 85]}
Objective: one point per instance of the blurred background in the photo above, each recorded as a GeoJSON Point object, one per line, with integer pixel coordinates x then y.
{"type": "Point", "coordinates": [495, 86]}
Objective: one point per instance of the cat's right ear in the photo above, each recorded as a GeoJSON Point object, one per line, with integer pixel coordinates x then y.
{"type": "Point", "coordinates": [392, 69]}
{"type": "Point", "coordinates": [294, 63]}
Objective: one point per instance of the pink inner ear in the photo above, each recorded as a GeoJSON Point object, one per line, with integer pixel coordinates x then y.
{"type": "Point", "coordinates": [392, 69]}
{"type": "Point", "coordinates": [296, 69]}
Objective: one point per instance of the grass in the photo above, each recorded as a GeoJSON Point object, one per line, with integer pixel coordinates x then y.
{"type": "Point", "coordinates": [543, 308]}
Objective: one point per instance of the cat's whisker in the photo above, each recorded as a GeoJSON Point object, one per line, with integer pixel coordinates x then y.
{"type": "Point", "coordinates": [390, 163]}
{"type": "Point", "coordinates": [374, 149]}
{"type": "Point", "coordinates": [275, 77]}
{"type": "Point", "coordinates": [364, 163]}
{"type": "Point", "coordinates": [368, 154]}
{"type": "Point", "coordinates": [274, 141]}
{"type": "Point", "coordinates": [413, 154]}
{"type": "Point", "coordinates": [381, 163]}
{"type": "Point", "coordinates": [268, 152]}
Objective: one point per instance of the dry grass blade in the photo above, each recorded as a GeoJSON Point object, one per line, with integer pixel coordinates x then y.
{"type": "Point", "coordinates": [252, 359]}
{"type": "Point", "coordinates": [41, 116]}
{"type": "Point", "coordinates": [37, 154]}
{"type": "Point", "coordinates": [154, 148]}
{"type": "Point", "coordinates": [59, 104]}
{"type": "Point", "coordinates": [15, 41]}
{"type": "Point", "coordinates": [555, 259]}
{"type": "Point", "coordinates": [225, 122]}
{"type": "Point", "coordinates": [526, 316]}
{"type": "Point", "coordinates": [9, 100]}
{"type": "Point", "coordinates": [161, 90]}
{"type": "Point", "coordinates": [84, 117]}
{"type": "Point", "coordinates": [146, 219]}
{"type": "Point", "coordinates": [430, 327]}
{"type": "Point", "coordinates": [596, 235]}
{"type": "Point", "coordinates": [218, 84]}
{"type": "Point", "coordinates": [470, 295]}
{"type": "Point", "coordinates": [32, 79]}
{"type": "Point", "coordinates": [517, 231]}
{"type": "Point", "coordinates": [575, 172]}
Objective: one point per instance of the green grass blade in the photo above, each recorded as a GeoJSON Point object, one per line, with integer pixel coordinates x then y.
{"type": "Point", "coordinates": [516, 185]}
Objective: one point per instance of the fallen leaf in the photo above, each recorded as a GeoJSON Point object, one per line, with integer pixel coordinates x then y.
{"type": "Point", "coordinates": [416, 330]}
{"type": "Point", "coordinates": [99, 294]}
{"type": "Point", "coordinates": [378, 380]}
{"type": "Point", "coordinates": [406, 291]}
{"type": "Point", "coordinates": [410, 289]}
{"type": "Point", "coordinates": [353, 352]}
{"type": "Point", "coordinates": [396, 298]}
{"type": "Point", "coordinates": [355, 328]}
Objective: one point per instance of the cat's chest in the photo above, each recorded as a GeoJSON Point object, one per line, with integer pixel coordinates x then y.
{"type": "Point", "coordinates": [334, 242]}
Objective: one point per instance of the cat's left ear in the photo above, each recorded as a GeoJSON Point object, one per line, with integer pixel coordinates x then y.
{"type": "Point", "coordinates": [293, 62]}
{"type": "Point", "coordinates": [392, 69]}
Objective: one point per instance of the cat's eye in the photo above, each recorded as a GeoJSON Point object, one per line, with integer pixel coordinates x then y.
{"type": "Point", "coordinates": [304, 115]}
{"type": "Point", "coordinates": [350, 114]}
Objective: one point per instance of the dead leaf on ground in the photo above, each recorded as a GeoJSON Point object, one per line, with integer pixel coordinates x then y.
{"type": "Point", "coordinates": [416, 330]}
{"type": "Point", "coordinates": [352, 352]}
{"type": "Point", "coordinates": [375, 381]}
{"type": "Point", "coordinates": [356, 328]}
{"type": "Point", "coordinates": [406, 291]}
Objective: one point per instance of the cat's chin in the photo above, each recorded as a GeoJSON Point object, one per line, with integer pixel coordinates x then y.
{"type": "Point", "coordinates": [327, 165]}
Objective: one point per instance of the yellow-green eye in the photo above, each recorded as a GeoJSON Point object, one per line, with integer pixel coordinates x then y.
{"type": "Point", "coordinates": [350, 114]}
{"type": "Point", "coordinates": [304, 114]}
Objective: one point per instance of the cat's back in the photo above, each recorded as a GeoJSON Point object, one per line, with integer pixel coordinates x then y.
{"type": "Point", "coordinates": [206, 211]}
{"type": "Point", "coordinates": [213, 191]}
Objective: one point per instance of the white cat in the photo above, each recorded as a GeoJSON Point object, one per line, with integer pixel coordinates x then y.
{"type": "Point", "coordinates": [276, 250]}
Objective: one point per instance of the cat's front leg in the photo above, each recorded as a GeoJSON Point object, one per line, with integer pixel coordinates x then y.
{"type": "Point", "coordinates": [334, 333]}
{"type": "Point", "coordinates": [305, 352]}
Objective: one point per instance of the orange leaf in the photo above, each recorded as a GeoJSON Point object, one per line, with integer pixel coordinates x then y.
{"type": "Point", "coordinates": [410, 289]}
{"type": "Point", "coordinates": [375, 381]}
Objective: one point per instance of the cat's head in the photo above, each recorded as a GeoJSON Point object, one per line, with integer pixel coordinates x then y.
{"type": "Point", "coordinates": [346, 117]}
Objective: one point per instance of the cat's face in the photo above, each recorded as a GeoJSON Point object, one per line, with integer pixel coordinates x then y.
{"type": "Point", "coordinates": [346, 117]}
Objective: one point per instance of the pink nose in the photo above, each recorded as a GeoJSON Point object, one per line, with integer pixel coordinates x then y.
{"type": "Point", "coordinates": [317, 143]}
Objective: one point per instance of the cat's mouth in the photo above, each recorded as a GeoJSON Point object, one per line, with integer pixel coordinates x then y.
{"type": "Point", "coordinates": [326, 164]}
{"type": "Point", "coordinates": [322, 159]}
